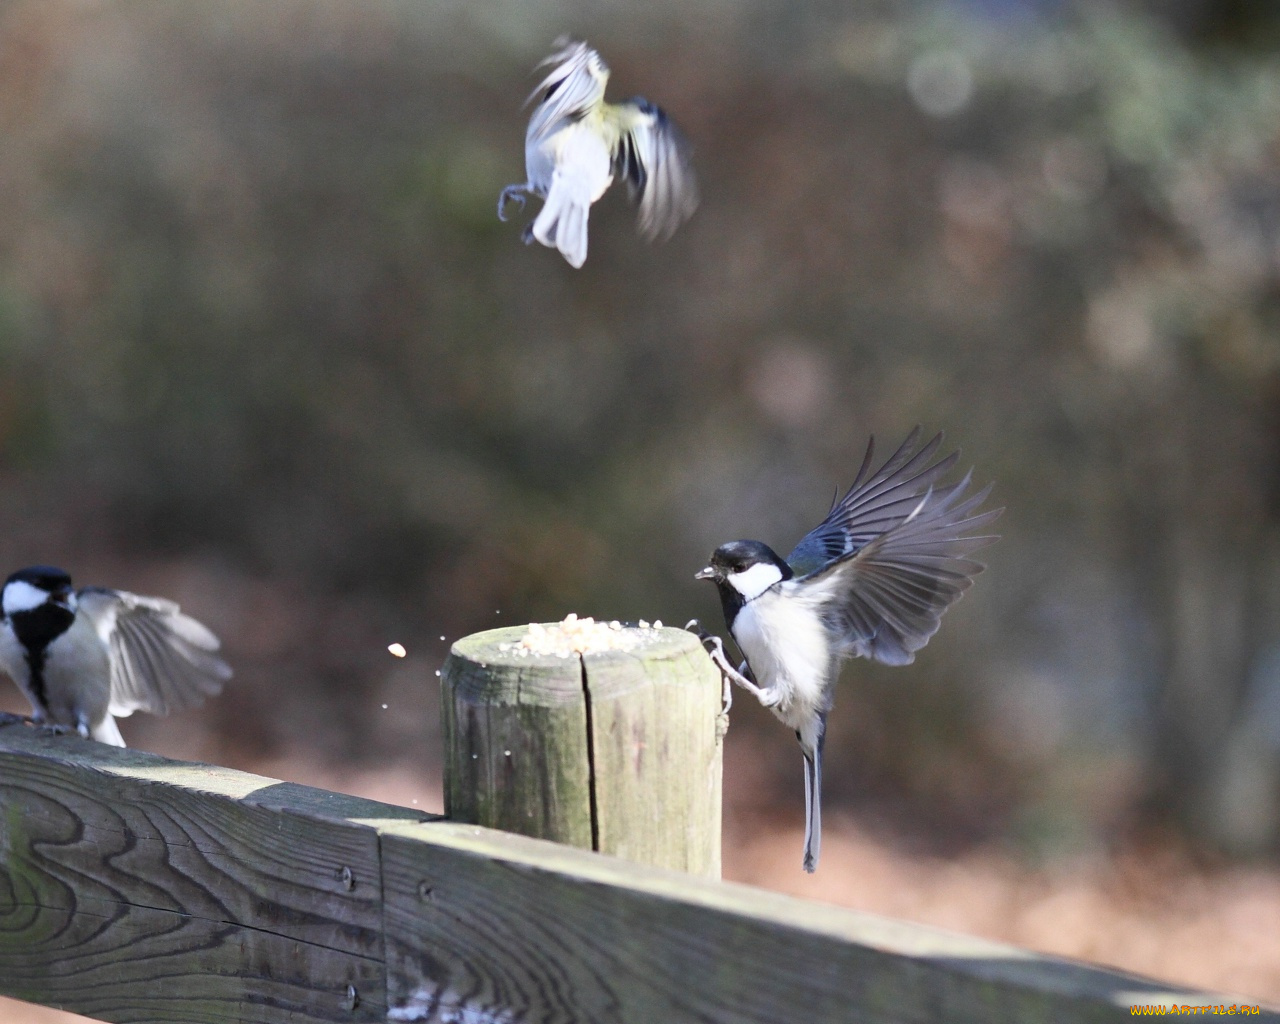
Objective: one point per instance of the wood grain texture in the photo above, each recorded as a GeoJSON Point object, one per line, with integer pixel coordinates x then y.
{"type": "Point", "coordinates": [133, 888]}
{"type": "Point", "coordinates": [657, 753]}
{"type": "Point", "coordinates": [501, 929]}
{"type": "Point", "coordinates": [138, 889]}
{"type": "Point", "coordinates": [515, 733]}
{"type": "Point", "coordinates": [619, 752]}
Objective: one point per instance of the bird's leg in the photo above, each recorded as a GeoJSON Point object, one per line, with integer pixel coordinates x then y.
{"type": "Point", "coordinates": [726, 690]}
{"type": "Point", "coordinates": [769, 698]}
{"type": "Point", "coordinates": [715, 648]}
{"type": "Point", "coordinates": [526, 235]}
{"type": "Point", "coordinates": [511, 192]}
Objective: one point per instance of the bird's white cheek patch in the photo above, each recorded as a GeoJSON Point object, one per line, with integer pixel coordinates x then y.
{"type": "Point", "coordinates": [21, 596]}
{"type": "Point", "coordinates": [753, 582]}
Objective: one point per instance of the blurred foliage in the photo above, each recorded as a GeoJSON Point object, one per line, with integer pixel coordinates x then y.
{"type": "Point", "coordinates": [257, 313]}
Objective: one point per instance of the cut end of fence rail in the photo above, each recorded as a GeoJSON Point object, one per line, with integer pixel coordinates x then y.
{"type": "Point", "coordinates": [617, 751]}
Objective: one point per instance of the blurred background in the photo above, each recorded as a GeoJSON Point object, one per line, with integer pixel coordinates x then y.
{"type": "Point", "coordinates": [266, 349]}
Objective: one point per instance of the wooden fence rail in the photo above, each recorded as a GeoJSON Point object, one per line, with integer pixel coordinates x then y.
{"type": "Point", "coordinates": [136, 888]}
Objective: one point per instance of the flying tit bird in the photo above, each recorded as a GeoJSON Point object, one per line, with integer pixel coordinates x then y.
{"type": "Point", "coordinates": [84, 656]}
{"type": "Point", "coordinates": [871, 580]}
{"type": "Point", "coordinates": [577, 144]}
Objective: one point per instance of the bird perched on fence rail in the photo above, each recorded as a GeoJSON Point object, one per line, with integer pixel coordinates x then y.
{"type": "Point", "coordinates": [84, 656]}
{"type": "Point", "coordinates": [577, 144]}
{"type": "Point", "coordinates": [871, 580]}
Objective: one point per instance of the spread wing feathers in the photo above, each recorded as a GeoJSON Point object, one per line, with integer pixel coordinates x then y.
{"type": "Point", "coordinates": [654, 158]}
{"type": "Point", "coordinates": [875, 502]}
{"type": "Point", "coordinates": [161, 660]}
{"type": "Point", "coordinates": [570, 89]}
{"type": "Point", "coordinates": [886, 599]}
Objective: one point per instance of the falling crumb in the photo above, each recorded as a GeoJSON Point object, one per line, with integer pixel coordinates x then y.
{"type": "Point", "coordinates": [384, 707]}
{"type": "Point", "coordinates": [507, 753]}
{"type": "Point", "coordinates": [442, 638]}
{"type": "Point", "coordinates": [575, 635]}
{"type": "Point", "coordinates": [437, 673]}
{"type": "Point", "coordinates": [397, 650]}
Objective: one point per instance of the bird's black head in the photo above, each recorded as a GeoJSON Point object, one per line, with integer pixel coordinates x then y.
{"type": "Point", "coordinates": [742, 571]}
{"type": "Point", "coordinates": [738, 556]}
{"type": "Point", "coordinates": [40, 604]}
{"type": "Point", "coordinates": [42, 577]}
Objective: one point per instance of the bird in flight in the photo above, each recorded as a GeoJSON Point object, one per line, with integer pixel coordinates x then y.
{"type": "Point", "coordinates": [871, 580]}
{"type": "Point", "coordinates": [577, 144]}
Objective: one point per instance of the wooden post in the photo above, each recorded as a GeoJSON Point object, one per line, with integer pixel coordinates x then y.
{"type": "Point", "coordinates": [618, 752]}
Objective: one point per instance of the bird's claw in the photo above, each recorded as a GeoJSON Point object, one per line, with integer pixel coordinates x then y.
{"type": "Point", "coordinates": [40, 725]}
{"type": "Point", "coordinates": [510, 193]}
{"type": "Point", "coordinates": [715, 649]}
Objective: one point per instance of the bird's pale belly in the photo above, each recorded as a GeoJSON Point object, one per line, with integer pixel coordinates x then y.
{"type": "Point", "coordinates": [789, 656]}
{"type": "Point", "coordinates": [77, 677]}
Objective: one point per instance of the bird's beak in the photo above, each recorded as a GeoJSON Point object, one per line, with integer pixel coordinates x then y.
{"type": "Point", "coordinates": [706, 574]}
{"type": "Point", "coordinates": [62, 597]}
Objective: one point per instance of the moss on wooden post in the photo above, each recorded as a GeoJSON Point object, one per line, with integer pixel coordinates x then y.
{"type": "Point", "coordinates": [618, 751]}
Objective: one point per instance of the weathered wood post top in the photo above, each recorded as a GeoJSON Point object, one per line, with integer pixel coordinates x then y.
{"type": "Point", "coordinates": [597, 735]}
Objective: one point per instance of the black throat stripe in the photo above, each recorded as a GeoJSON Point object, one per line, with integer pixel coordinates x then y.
{"type": "Point", "coordinates": [35, 662]}
{"type": "Point", "coordinates": [36, 628]}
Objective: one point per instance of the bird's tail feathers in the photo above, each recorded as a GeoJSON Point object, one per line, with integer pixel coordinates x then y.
{"type": "Point", "coordinates": [562, 223]}
{"type": "Point", "coordinates": [813, 795]}
{"type": "Point", "coordinates": [107, 731]}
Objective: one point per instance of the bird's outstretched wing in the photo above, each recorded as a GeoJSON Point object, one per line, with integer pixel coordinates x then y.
{"type": "Point", "coordinates": [568, 91]}
{"type": "Point", "coordinates": [889, 558]}
{"type": "Point", "coordinates": [875, 502]}
{"type": "Point", "coordinates": [654, 158]}
{"type": "Point", "coordinates": [161, 660]}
